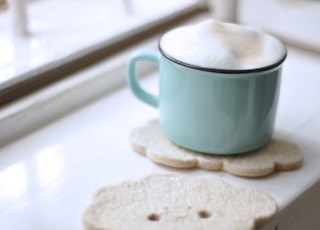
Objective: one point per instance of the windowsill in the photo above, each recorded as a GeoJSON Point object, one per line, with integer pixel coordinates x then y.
{"type": "Point", "coordinates": [54, 101]}
{"type": "Point", "coordinates": [77, 90]}
{"type": "Point", "coordinates": [60, 165]}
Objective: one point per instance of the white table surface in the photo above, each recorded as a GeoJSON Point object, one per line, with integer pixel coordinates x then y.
{"type": "Point", "coordinates": [48, 177]}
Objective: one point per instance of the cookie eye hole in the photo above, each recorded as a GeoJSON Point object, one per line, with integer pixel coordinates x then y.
{"type": "Point", "coordinates": [154, 217]}
{"type": "Point", "coordinates": [204, 214]}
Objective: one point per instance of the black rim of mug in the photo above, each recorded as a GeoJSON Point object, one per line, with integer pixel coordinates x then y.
{"type": "Point", "coordinates": [229, 71]}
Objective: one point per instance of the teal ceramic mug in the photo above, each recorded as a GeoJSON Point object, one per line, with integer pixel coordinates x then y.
{"type": "Point", "coordinates": [212, 111]}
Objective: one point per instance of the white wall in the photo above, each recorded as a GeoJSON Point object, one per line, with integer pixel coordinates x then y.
{"type": "Point", "coordinates": [294, 21]}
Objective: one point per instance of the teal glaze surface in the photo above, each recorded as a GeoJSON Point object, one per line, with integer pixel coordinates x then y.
{"type": "Point", "coordinates": [217, 113]}
{"type": "Point", "coordinates": [132, 78]}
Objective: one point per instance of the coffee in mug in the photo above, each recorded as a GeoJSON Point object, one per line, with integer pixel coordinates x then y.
{"type": "Point", "coordinates": [212, 44]}
{"type": "Point", "coordinates": [218, 88]}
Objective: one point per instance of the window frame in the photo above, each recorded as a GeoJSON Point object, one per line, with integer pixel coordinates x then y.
{"type": "Point", "coordinates": [43, 76]}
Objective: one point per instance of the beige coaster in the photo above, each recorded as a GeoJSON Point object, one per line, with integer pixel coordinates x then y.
{"type": "Point", "coordinates": [178, 202]}
{"type": "Point", "coordinates": [277, 155]}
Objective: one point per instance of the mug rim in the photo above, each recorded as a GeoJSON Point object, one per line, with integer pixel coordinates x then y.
{"type": "Point", "coordinates": [220, 70]}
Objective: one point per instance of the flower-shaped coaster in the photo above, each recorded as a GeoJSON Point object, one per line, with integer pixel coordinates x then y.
{"type": "Point", "coordinates": [277, 155]}
{"type": "Point", "coordinates": [173, 201]}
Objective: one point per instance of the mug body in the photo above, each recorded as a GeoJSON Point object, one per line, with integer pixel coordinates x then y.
{"type": "Point", "coordinates": [217, 112]}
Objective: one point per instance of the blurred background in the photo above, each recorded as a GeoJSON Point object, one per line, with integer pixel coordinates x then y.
{"type": "Point", "coordinates": [41, 35]}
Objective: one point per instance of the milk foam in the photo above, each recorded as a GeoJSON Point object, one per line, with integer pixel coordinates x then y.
{"type": "Point", "coordinates": [213, 44]}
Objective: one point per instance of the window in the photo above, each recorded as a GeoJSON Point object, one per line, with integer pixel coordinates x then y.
{"type": "Point", "coordinates": [64, 36]}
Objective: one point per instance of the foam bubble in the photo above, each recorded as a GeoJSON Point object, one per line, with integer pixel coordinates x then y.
{"type": "Point", "coordinates": [213, 44]}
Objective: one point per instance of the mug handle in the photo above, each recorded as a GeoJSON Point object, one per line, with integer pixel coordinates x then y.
{"type": "Point", "coordinates": [132, 78]}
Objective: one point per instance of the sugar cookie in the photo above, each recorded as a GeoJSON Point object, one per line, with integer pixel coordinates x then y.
{"type": "Point", "coordinates": [174, 201]}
